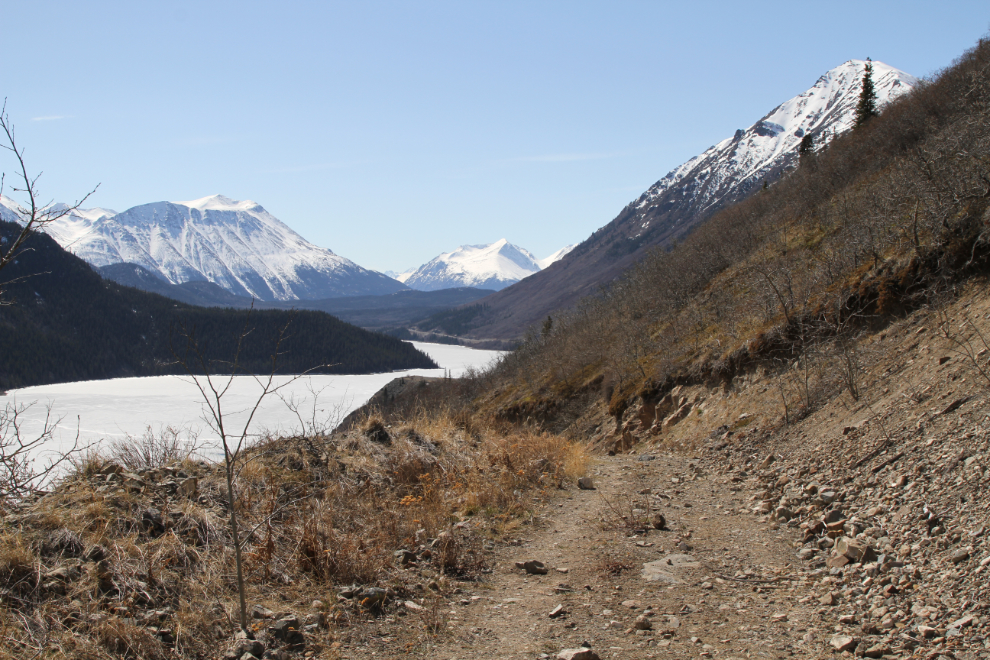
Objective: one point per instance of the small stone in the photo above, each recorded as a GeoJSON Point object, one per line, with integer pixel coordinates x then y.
{"type": "Point", "coordinates": [188, 487]}
{"type": "Point", "coordinates": [578, 654]}
{"type": "Point", "coordinates": [927, 632]}
{"type": "Point", "coordinates": [768, 461]}
{"type": "Point", "coordinates": [314, 621]}
{"type": "Point", "coordinates": [959, 556]}
{"type": "Point", "coordinates": [843, 643]}
{"type": "Point", "coordinates": [404, 557]}
{"type": "Point", "coordinates": [964, 622]}
{"type": "Point", "coordinates": [556, 612]}
{"type": "Point", "coordinates": [828, 599]}
{"type": "Point", "coordinates": [643, 623]}
{"type": "Point", "coordinates": [412, 606]}
{"type": "Point", "coordinates": [244, 646]}
{"type": "Point", "coordinates": [632, 604]}
{"type": "Point", "coordinates": [533, 567]}
{"type": "Point", "coordinates": [877, 651]}
{"type": "Point", "coordinates": [783, 513]}
{"type": "Point", "coordinates": [586, 483]}
{"type": "Point", "coordinates": [259, 612]}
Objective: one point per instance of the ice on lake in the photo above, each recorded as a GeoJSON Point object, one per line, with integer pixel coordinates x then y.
{"type": "Point", "coordinates": [119, 408]}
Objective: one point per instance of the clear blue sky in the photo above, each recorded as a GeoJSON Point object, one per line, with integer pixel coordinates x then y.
{"type": "Point", "coordinates": [393, 131]}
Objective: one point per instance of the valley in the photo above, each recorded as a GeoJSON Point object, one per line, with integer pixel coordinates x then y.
{"type": "Point", "coordinates": [747, 418]}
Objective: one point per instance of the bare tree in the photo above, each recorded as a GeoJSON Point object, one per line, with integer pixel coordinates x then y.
{"type": "Point", "coordinates": [35, 215]}
{"type": "Point", "coordinates": [234, 437]}
{"type": "Point", "coordinates": [20, 474]}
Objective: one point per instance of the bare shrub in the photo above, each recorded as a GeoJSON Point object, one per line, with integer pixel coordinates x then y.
{"type": "Point", "coordinates": [435, 617]}
{"type": "Point", "coordinates": [152, 450]}
{"type": "Point", "coordinates": [334, 556]}
{"type": "Point", "coordinates": [23, 471]}
{"type": "Point", "coordinates": [458, 553]}
{"type": "Point", "coordinates": [965, 338]}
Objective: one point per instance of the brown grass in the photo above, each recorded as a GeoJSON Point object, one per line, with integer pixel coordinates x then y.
{"type": "Point", "coordinates": [319, 515]}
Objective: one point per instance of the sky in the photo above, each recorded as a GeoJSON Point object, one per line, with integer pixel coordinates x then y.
{"type": "Point", "coordinates": [390, 132]}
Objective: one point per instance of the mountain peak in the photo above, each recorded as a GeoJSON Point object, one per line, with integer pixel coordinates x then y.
{"type": "Point", "coordinates": [728, 172]}
{"type": "Point", "coordinates": [236, 245]}
{"type": "Point", "coordinates": [487, 266]}
{"type": "Point", "coordinates": [221, 203]}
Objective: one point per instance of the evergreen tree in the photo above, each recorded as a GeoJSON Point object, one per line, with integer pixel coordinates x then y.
{"type": "Point", "coordinates": [807, 146]}
{"type": "Point", "coordinates": [866, 109]}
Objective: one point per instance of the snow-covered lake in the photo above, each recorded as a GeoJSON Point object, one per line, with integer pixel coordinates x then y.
{"type": "Point", "coordinates": [128, 407]}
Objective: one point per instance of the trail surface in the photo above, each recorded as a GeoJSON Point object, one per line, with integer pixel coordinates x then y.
{"type": "Point", "coordinates": [724, 584]}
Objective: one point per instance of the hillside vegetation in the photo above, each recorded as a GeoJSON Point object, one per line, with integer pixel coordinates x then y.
{"type": "Point", "coordinates": [65, 323]}
{"type": "Point", "coordinates": [803, 381]}
{"type": "Point", "coordinates": [888, 218]}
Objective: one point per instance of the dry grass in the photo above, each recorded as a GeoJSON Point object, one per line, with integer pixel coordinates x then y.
{"type": "Point", "coordinates": [319, 514]}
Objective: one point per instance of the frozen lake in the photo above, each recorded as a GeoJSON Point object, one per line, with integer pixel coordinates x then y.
{"type": "Point", "coordinates": [122, 407]}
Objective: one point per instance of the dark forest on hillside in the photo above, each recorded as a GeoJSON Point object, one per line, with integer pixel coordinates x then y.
{"type": "Point", "coordinates": [61, 321]}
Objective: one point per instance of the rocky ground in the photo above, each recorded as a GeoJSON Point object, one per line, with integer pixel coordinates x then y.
{"type": "Point", "coordinates": [857, 527]}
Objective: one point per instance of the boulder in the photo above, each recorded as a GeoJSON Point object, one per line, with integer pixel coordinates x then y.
{"type": "Point", "coordinates": [288, 631]}
{"type": "Point", "coordinates": [578, 654]}
{"type": "Point", "coordinates": [843, 643]}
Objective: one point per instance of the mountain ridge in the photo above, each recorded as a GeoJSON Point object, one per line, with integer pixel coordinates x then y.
{"type": "Point", "coordinates": [237, 245]}
{"type": "Point", "coordinates": [727, 172]}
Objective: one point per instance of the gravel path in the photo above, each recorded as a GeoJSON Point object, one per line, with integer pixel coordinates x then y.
{"type": "Point", "coordinates": [724, 583]}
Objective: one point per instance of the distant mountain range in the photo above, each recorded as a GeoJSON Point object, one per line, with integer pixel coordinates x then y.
{"type": "Point", "coordinates": [492, 266]}
{"type": "Point", "coordinates": [724, 174]}
{"type": "Point", "coordinates": [217, 251]}
{"type": "Point", "coordinates": [238, 246]}
{"type": "Point", "coordinates": [387, 312]}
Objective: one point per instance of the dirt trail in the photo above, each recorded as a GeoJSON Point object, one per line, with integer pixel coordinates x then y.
{"type": "Point", "coordinates": [733, 586]}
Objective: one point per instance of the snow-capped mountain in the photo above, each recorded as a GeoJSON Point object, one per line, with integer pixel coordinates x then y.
{"type": "Point", "coordinates": [770, 145]}
{"type": "Point", "coordinates": [556, 256]}
{"type": "Point", "coordinates": [688, 195]}
{"type": "Point", "coordinates": [493, 266]}
{"type": "Point", "coordinates": [236, 245]}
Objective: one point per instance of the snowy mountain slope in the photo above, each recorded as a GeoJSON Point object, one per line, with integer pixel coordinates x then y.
{"type": "Point", "coordinates": [236, 245]}
{"type": "Point", "coordinates": [67, 229]}
{"type": "Point", "coordinates": [556, 256]}
{"type": "Point", "coordinates": [769, 145]}
{"type": "Point", "coordinates": [726, 173]}
{"type": "Point", "coordinates": [494, 266]}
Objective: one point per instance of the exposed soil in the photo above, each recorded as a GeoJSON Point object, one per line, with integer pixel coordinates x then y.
{"type": "Point", "coordinates": [732, 588]}
{"type": "Point", "coordinates": [917, 441]}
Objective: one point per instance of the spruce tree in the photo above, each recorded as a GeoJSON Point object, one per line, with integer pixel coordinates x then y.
{"type": "Point", "coordinates": [807, 146]}
{"type": "Point", "coordinates": [866, 109]}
